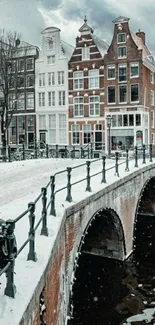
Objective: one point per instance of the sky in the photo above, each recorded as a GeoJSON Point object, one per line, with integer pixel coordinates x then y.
{"type": "Point", "coordinates": [30, 17]}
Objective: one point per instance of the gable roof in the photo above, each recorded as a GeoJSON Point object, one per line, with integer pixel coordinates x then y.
{"type": "Point", "coordinates": [121, 19]}
{"type": "Point", "coordinates": [101, 45]}
{"type": "Point", "coordinates": [141, 46]}
{"type": "Point", "coordinates": [66, 48]}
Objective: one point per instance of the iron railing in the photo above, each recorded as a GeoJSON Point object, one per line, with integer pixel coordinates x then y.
{"type": "Point", "coordinates": [47, 196]}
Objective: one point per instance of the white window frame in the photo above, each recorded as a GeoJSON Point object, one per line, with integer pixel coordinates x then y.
{"type": "Point", "coordinates": [110, 67]}
{"type": "Point", "coordinates": [21, 102]}
{"type": "Point", "coordinates": [85, 53]}
{"type": "Point", "coordinates": [122, 57]}
{"type": "Point", "coordinates": [152, 94]}
{"type": "Point", "coordinates": [41, 79]}
{"type": "Point", "coordinates": [61, 77]}
{"type": "Point", "coordinates": [123, 85]}
{"type": "Point", "coordinates": [152, 77]}
{"type": "Point", "coordinates": [94, 103]}
{"type": "Point", "coordinates": [95, 79]}
{"type": "Point", "coordinates": [29, 76]}
{"type": "Point", "coordinates": [62, 98]}
{"type": "Point", "coordinates": [136, 101]}
{"type": "Point", "coordinates": [82, 103]}
{"type": "Point", "coordinates": [111, 103]}
{"type": "Point", "coordinates": [75, 131]}
{"type": "Point", "coordinates": [79, 80]}
{"type": "Point", "coordinates": [134, 64]}
{"type": "Point", "coordinates": [50, 59]}
{"type": "Point", "coordinates": [153, 138]}
{"type": "Point", "coordinates": [62, 128]}
{"type": "Point", "coordinates": [42, 122]}
{"type": "Point", "coordinates": [86, 131]}
{"type": "Point", "coordinates": [27, 60]}
{"type": "Point", "coordinates": [41, 97]}
{"type": "Point", "coordinates": [124, 65]}
{"type": "Point", "coordinates": [118, 37]}
{"type": "Point", "coordinates": [52, 123]}
{"type": "Point", "coordinates": [51, 78]}
{"type": "Point", "coordinates": [31, 94]}
{"type": "Point", "coordinates": [152, 119]}
{"type": "Point", "coordinates": [51, 98]}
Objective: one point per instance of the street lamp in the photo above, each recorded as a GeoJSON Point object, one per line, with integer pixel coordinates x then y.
{"type": "Point", "coordinates": [109, 119]}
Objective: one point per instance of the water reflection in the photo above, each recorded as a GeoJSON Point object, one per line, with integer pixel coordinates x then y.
{"type": "Point", "coordinates": [109, 291]}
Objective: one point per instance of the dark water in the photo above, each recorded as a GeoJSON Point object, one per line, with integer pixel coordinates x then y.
{"type": "Point", "coordinates": [108, 291]}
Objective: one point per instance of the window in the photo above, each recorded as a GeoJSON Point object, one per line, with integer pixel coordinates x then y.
{"type": "Point", "coordinates": [42, 122]}
{"type": "Point", "coordinates": [153, 138]}
{"type": "Point", "coordinates": [111, 72]}
{"type": "Point", "coordinates": [30, 64]}
{"type": "Point", "coordinates": [114, 121]}
{"type": "Point", "coordinates": [51, 98]}
{"type": "Point", "coordinates": [30, 80]}
{"type": "Point", "coordinates": [123, 94]}
{"type": "Point", "coordinates": [151, 77]}
{"type": "Point", "coordinates": [21, 129]}
{"type": "Point", "coordinates": [86, 53]}
{"type": "Point", "coordinates": [60, 77]}
{"type": "Point", "coordinates": [120, 120]}
{"type": "Point", "coordinates": [93, 79]}
{"type": "Point", "coordinates": [75, 134]}
{"type": "Point", "coordinates": [121, 38]}
{"type": "Point", "coordinates": [51, 59]}
{"type": "Point", "coordinates": [21, 102]}
{"type": "Point", "coordinates": [12, 130]}
{"type": "Point", "coordinates": [134, 93]}
{"type": "Point", "coordinates": [125, 120]}
{"type": "Point", "coordinates": [51, 44]}
{"type": "Point", "coordinates": [11, 66]}
{"type": "Point", "coordinates": [21, 65]}
{"type": "Point", "coordinates": [51, 78]}
{"type": "Point", "coordinates": [78, 80]}
{"type": "Point", "coordinates": [138, 119]}
{"type": "Point", "coordinates": [86, 133]}
{"type": "Point", "coordinates": [30, 100]}
{"type": "Point", "coordinates": [41, 79]}
{"type": "Point", "coordinates": [152, 119]}
{"type": "Point", "coordinates": [78, 106]}
{"type": "Point", "coordinates": [41, 99]}
{"type": "Point", "coordinates": [20, 81]}
{"type": "Point", "coordinates": [111, 95]}
{"type": "Point", "coordinates": [52, 128]}
{"type": "Point", "coordinates": [12, 103]}
{"type": "Point", "coordinates": [152, 97]}
{"type": "Point", "coordinates": [122, 73]}
{"type": "Point", "coordinates": [94, 105]}
{"type": "Point", "coordinates": [131, 119]}
{"type": "Point", "coordinates": [62, 128]}
{"type": "Point", "coordinates": [134, 70]}
{"type": "Point", "coordinates": [61, 98]}
{"type": "Point", "coordinates": [122, 52]}
{"type": "Point", "coordinates": [30, 123]}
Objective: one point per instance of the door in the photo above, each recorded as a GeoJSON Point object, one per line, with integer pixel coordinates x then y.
{"type": "Point", "coordinates": [98, 137]}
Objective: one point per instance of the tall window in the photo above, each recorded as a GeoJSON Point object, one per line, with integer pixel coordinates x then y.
{"type": "Point", "coordinates": [60, 77]}
{"type": "Point", "coordinates": [111, 73]}
{"type": "Point", "coordinates": [94, 105]}
{"type": "Point", "coordinates": [86, 133]}
{"type": "Point", "coordinates": [30, 100]}
{"type": "Point", "coordinates": [122, 53]}
{"type": "Point", "coordinates": [111, 95]}
{"type": "Point", "coordinates": [122, 72]}
{"type": "Point", "coordinates": [61, 98]}
{"type": "Point", "coordinates": [41, 79]}
{"type": "Point", "coordinates": [121, 38]}
{"type": "Point", "coordinates": [21, 102]}
{"type": "Point", "coordinates": [52, 128]}
{"type": "Point", "coordinates": [134, 70]}
{"type": "Point", "coordinates": [12, 102]}
{"type": "Point", "coordinates": [152, 119]}
{"type": "Point", "coordinates": [51, 98]}
{"type": "Point", "coordinates": [12, 130]}
{"type": "Point", "coordinates": [123, 94]}
{"type": "Point", "coordinates": [62, 128]}
{"type": "Point", "coordinates": [94, 79]}
{"type": "Point", "coordinates": [41, 99]}
{"type": "Point", "coordinates": [21, 65]}
{"type": "Point", "coordinates": [42, 122]}
{"type": "Point", "coordinates": [20, 81]}
{"type": "Point", "coordinates": [86, 53]}
{"type": "Point", "coordinates": [134, 93]}
{"type": "Point", "coordinates": [151, 77]}
{"type": "Point", "coordinates": [21, 129]}
{"type": "Point", "coordinates": [152, 97]}
{"type": "Point", "coordinates": [30, 123]}
{"type": "Point", "coordinates": [50, 59]}
{"type": "Point", "coordinates": [78, 106]}
{"type": "Point", "coordinates": [51, 43]}
{"type": "Point", "coordinates": [30, 80]}
{"type": "Point", "coordinates": [75, 134]}
{"type": "Point", "coordinates": [51, 78]}
{"type": "Point", "coordinates": [30, 64]}
{"type": "Point", "coordinates": [78, 80]}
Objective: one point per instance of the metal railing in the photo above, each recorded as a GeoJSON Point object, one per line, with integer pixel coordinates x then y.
{"type": "Point", "coordinates": [47, 197]}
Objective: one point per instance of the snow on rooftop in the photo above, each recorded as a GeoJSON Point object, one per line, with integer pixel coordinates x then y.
{"type": "Point", "coordinates": [20, 183]}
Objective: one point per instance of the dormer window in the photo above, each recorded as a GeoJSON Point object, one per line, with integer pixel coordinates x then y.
{"type": "Point", "coordinates": [121, 38]}
{"type": "Point", "coordinates": [50, 43]}
{"type": "Point", "coordinates": [122, 52]}
{"type": "Point", "coordinates": [85, 53]}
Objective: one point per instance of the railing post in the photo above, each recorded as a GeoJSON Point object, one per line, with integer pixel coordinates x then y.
{"type": "Point", "coordinates": [52, 209]}
{"type": "Point", "coordinates": [116, 164]}
{"type": "Point", "coordinates": [150, 152]}
{"type": "Point", "coordinates": [103, 170]}
{"type": "Point", "coordinates": [73, 156]}
{"type": "Point", "coordinates": [35, 150]}
{"type": "Point", "coordinates": [144, 161]}
{"type": "Point", "coordinates": [82, 152]}
{"type": "Point", "coordinates": [9, 153]}
{"type": "Point", "coordinates": [88, 187]}
{"type": "Point", "coordinates": [57, 151]}
{"type": "Point", "coordinates": [47, 151]}
{"type": "Point", "coordinates": [69, 196]}
{"type": "Point", "coordinates": [23, 151]}
{"type": "Point", "coordinates": [44, 230]}
{"type": "Point", "coordinates": [136, 156]}
{"type": "Point", "coordinates": [127, 160]}
{"type": "Point", "coordinates": [65, 151]}
{"type": "Point", "coordinates": [10, 289]}
{"type": "Point", "coordinates": [32, 255]}
{"type": "Point", "coordinates": [91, 150]}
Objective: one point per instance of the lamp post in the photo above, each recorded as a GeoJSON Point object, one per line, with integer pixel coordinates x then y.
{"type": "Point", "coordinates": [109, 119]}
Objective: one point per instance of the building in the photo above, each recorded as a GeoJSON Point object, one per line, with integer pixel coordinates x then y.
{"type": "Point", "coordinates": [86, 89]}
{"type": "Point", "coordinates": [129, 82]}
{"type": "Point", "coordinates": [52, 88]}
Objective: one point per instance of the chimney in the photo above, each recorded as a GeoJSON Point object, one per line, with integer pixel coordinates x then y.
{"type": "Point", "coordinates": [141, 35]}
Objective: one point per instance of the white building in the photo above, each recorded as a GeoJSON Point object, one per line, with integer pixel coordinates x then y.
{"type": "Point", "coordinates": [52, 88]}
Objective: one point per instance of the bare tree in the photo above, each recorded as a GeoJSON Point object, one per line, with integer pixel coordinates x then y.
{"type": "Point", "coordinates": [10, 81]}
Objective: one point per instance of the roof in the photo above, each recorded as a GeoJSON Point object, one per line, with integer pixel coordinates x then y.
{"type": "Point", "coordinates": [51, 29]}
{"type": "Point", "coordinates": [139, 42]}
{"type": "Point", "coordinates": [121, 19]}
{"type": "Point", "coordinates": [101, 45]}
{"type": "Point", "coordinates": [67, 49]}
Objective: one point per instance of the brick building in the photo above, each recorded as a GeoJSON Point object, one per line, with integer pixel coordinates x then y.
{"type": "Point", "coordinates": [86, 89]}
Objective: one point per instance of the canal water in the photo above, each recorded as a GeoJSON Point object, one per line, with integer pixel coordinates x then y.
{"type": "Point", "coordinates": [109, 292]}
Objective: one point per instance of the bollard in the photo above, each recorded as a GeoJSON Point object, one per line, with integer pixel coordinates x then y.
{"type": "Point", "coordinates": [52, 210]}
{"type": "Point", "coordinates": [127, 160]}
{"type": "Point", "coordinates": [69, 196]}
{"type": "Point", "coordinates": [10, 289]}
{"type": "Point", "coordinates": [88, 187]}
{"type": "Point", "coordinates": [31, 255]}
{"type": "Point", "coordinates": [44, 230]}
{"type": "Point", "coordinates": [144, 161]}
{"type": "Point", "coordinates": [116, 164]}
{"type": "Point", "coordinates": [150, 152]}
{"type": "Point", "coordinates": [103, 170]}
{"type": "Point", "coordinates": [47, 151]}
{"type": "Point", "coordinates": [57, 151]}
{"type": "Point", "coordinates": [23, 151]}
{"type": "Point", "coordinates": [9, 153]}
{"type": "Point", "coordinates": [136, 156]}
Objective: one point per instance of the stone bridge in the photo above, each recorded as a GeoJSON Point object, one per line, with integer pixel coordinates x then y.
{"type": "Point", "coordinates": [101, 224]}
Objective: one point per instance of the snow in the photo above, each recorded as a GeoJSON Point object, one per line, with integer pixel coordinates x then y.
{"type": "Point", "coordinates": [21, 183]}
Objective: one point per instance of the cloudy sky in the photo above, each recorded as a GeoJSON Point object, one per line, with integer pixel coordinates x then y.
{"type": "Point", "coordinates": [30, 17]}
